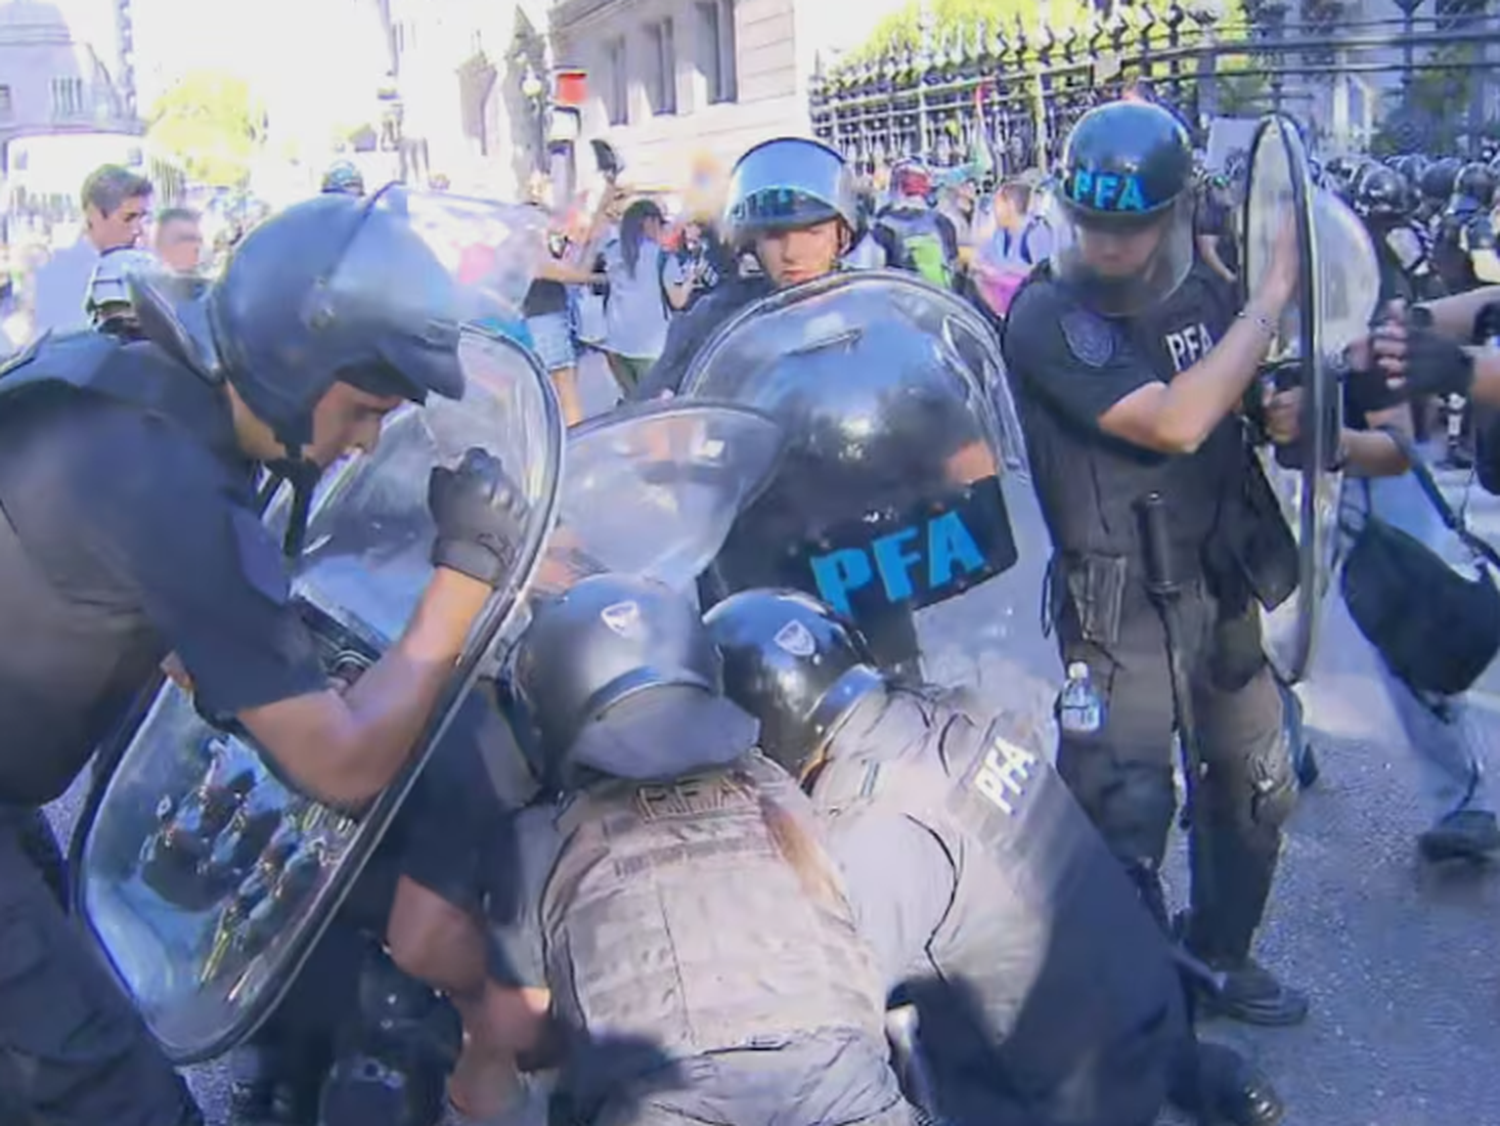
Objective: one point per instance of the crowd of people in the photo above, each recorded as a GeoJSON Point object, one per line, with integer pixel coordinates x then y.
{"type": "Point", "coordinates": [754, 825]}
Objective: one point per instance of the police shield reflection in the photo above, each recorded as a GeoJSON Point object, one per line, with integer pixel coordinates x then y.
{"type": "Point", "coordinates": [206, 876]}
{"type": "Point", "coordinates": [903, 499]}
{"type": "Point", "coordinates": [1338, 289]}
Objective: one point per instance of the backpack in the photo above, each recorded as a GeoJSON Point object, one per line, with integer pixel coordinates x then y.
{"type": "Point", "coordinates": [926, 256]}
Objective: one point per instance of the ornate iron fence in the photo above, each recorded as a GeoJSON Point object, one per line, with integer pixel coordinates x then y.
{"type": "Point", "coordinates": [1009, 94]}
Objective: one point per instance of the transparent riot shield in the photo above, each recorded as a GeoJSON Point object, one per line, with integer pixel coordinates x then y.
{"type": "Point", "coordinates": [653, 489]}
{"type": "Point", "coordinates": [902, 499]}
{"type": "Point", "coordinates": [206, 874]}
{"type": "Point", "coordinates": [1336, 298]}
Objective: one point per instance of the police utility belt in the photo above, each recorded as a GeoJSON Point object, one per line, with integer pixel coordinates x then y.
{"type": "Point", "coordinates": [1250, 555]}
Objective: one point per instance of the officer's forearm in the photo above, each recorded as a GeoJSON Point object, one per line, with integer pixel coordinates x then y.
{"type": "Point", "coordinates": [1454, 316]}
{"type": "Point", "coordinates": [346, 749]}
{"type": "Point", "coordinates": [1177, 417]}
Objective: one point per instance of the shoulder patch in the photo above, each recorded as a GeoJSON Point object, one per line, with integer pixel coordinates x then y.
{"type": "Point", "coordinates": [1089, 336]}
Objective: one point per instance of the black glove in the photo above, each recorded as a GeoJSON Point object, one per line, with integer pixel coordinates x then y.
{"type": "Point", "coordinates": [478, 511]}
{"type": "Point", "coordinates": [1434, 364]}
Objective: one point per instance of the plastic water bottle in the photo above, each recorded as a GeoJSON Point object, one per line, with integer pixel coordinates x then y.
{"type": "Point", "coordinates": [1080, 711]}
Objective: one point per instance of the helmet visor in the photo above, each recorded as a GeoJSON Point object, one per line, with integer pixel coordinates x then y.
{"type": "Point", "coordinates": [1125, 264]}
{"type": "Point", "coordinates": [422, 265]}
{"type": "Point", "coordinates": [787, 184]}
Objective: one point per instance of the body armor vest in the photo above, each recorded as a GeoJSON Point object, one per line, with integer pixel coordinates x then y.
{"type": "Point", "coordinates": [673, 918]}
{"type": "Point", "coordinates": [75, 662]}
{"type": "Point", "coordinates": [1088, 483]}
{"type": "Point", "coordinates": [1050, 966]}
{"type": "Point", "coordinates": [98, 363]}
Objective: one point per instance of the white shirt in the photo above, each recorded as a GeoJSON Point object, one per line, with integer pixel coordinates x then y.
{"type": "Point", "coordinates": [62, 288]}
{"type": "Point", "coordinates": [636, 312]}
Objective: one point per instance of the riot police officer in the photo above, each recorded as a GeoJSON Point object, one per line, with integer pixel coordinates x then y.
{"type": "Point", "coordinates": [1128, 368]}
{"type": "Point", "coordinates": [1381, 200]}
{"type": "Point", "coordinates": [794, 203]}
{"type": "Point", "coordinates": [131, 531]}
{"type": "Point", "coordinates": [915, 235]}
{"type": "Point", "coordinates": [677, 903]}
{"type": "Point", "coordinates": [1046, 992]}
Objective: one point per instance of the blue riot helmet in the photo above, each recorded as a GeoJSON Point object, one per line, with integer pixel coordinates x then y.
{"type": "Point", "coordinates": [793, 664]}
{"type": "Point", "coordinates": [109, 303]}
{"type": "Point", "coordinates": [787, 184]}
{"type": "Point", "coordinates": [345, 179]}
{"type": "Point", "coordinates": [614, 647]}
{"type": "Point", "coordinates": [1126, 236]}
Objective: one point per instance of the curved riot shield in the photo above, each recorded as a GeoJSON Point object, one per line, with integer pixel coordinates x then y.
{"type": "Point", "coordinates": [903, 498]}
{"type": "Point", "coordinates": [206, 875]}
{"type": "Point", "coordinates": [1337, 292]}
{"type": "Point", "coordinates": [653, 489]}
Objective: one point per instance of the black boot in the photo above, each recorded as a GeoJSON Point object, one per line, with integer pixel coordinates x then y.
{"type": "Point", "coordinates": [1465, 834]}
{"type": "Point", "coordinates": [1251, 994]}
{"type": "Point", "coordinates": [1219, 1087]}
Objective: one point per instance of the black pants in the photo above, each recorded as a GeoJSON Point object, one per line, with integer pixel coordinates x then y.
{"type": "Point", "coordinates": [73, 1052]}
{"type": "Point", "coordinates": [1122, 775]}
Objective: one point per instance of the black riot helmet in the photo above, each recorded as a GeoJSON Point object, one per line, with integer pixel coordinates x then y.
{"type": "Point", "coordinates": [1438, 180]}
{"type": "Point", "coordinates": [1412, 166]}
{"type": "Point", "coordinates": [1381, 195]}
{"type": "Point", "coordinates": [1127, 169]}
{"type": "Point", "coordinates": [600, 651]}
{"type": "Point", "coordinates": [335, 289]}
{"type": "Point", "coordinates": [1476, 182]}
{"type": "Point", "coordinates": [789, 183]}
{"type": "Point", "coordinates": [794, 665]}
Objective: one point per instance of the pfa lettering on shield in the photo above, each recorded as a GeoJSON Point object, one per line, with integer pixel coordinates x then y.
{"type": "Point", "coordinates": [909, 561]}
{"type": "Point", "coordinates": [1003, 775]}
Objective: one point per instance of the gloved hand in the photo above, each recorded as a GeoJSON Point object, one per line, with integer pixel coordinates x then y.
{"type": "Point", "coordinates": [479, 512]}
{"type": "Point", "coordinates": [1426, 363]}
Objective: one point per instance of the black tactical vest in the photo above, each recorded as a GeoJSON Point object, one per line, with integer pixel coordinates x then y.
{"type": "Point", "coordinates": [1089, 483]}
{"type": "Point", "coordinates": [673, 918]}
{"type": "Point", "coordinates": [1052, 997]}
{"type": "Point", "coordinates": [79, 647]}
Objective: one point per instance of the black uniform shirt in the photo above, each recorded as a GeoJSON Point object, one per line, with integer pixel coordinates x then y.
{"type": "Point", "coordinates": [1070, 366]}
{"type": "Point", "coordinates": [127, 535]}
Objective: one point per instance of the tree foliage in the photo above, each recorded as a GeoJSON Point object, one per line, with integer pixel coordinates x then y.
{"type": "Point", "coordinates": [213, 124]}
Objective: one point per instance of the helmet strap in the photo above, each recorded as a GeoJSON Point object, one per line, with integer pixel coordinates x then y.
{"type": "Point", "coordinates": [302, 475]}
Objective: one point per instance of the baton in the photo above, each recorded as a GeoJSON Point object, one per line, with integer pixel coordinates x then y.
{"type": "Point", "coordinates": [1165, 590]}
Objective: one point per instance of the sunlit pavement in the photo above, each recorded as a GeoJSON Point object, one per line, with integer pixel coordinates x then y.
{"type": "Point", "coordinates": [1400, 958]}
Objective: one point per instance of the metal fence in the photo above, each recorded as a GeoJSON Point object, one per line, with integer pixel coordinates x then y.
{"type": "Point", "coordinates": [1416, 82]}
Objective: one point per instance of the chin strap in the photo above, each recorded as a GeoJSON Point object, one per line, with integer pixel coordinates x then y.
{"type": "Point", "coordinates": [303, 476]}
